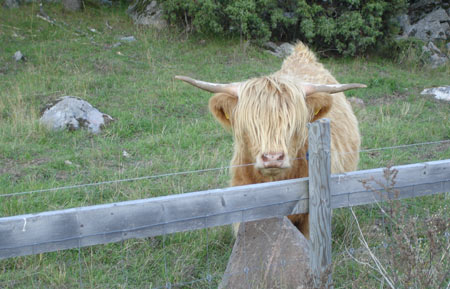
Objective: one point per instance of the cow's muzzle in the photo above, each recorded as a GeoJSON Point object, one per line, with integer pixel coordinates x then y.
{"type": "Point", "coordinates": [273, 160]}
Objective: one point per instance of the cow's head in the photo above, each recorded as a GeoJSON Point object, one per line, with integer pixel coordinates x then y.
{"type": "Point", "coordinates": [269, 115]}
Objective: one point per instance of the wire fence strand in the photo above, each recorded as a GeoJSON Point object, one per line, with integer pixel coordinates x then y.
{"type": "Point", "coordinates": [199, 171]}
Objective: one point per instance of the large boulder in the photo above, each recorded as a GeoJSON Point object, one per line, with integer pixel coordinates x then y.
{"type": "Point", "coordinates": [268, 254]}
{"type": "Point", "coordinates": [432, 26]}
{"type": "Point", "coordinates": [418, 9]}
{"type": "Point", "coordinates": [73, 113]}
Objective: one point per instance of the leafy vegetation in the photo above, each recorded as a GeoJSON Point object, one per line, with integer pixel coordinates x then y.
{"type": "Point", "coordinates": [346, 27]}
{"type": "Point", "coordinates": [165, 127]}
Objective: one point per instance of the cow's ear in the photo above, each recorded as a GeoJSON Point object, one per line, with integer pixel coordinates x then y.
{"type": "Point", "coordinates": [221, 106]}
{"type": "Point", "coordinates": [318, 105]}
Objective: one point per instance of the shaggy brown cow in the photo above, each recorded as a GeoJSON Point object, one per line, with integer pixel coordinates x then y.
{"type": "Point", "coordinates": [269, 115]}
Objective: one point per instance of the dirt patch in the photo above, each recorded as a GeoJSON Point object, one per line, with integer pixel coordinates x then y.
{"type": "Point", "coordinates": [432, 150]}
{"type": "Point", "coordinates": [7, 166]}
{"type": "Point", "coordinates": [17, 170]}
{"type": "Point", "coordinates": [388, 99]}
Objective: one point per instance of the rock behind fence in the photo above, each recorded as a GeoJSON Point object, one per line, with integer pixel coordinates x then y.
{"type": "Point", "coordinates": [73, 113]}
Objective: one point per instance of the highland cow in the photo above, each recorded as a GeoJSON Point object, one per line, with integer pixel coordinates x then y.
{"type": "Point", "coordinates": [268, 117]}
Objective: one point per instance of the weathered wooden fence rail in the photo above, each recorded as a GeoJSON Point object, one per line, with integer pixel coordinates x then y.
{"type": "Point", "coordinates": [85, 226]}
{"type": "Point", "coordinates": [78, 227]}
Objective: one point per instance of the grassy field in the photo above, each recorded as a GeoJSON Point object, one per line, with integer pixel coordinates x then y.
{"type": "Point", "coordinates": [165, 127]}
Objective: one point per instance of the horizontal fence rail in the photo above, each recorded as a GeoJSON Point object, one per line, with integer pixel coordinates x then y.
{"type": "Point", "coordinates": [85, 226]}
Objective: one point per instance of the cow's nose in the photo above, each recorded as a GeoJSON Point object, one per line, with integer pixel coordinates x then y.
{"type": "Point", "coordinates": [272, 160]}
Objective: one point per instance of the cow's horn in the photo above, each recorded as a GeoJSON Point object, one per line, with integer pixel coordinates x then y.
{"type": "Point", "coordinates": [230, 88]}
{"type": "Point", "coordinates": [330, 88]}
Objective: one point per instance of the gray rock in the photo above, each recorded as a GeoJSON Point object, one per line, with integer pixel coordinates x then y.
{"type": "Point", "coordinates": [285, 49]}
{"type": "Point", "coordinates": [152, 15]}
{"type": "Point", "coordinates": [405, 25]}
{"type": "Point", "coordinates": [117, 44]}
{"type": "Point", "coordinates": [127, 39]}
{"type": "Point", "coordinates": [437, 58]}
{"type": "Point", "coordinates": [106, 2]}
{"type": "Point", "coordinates": [11, 4]}
{"type": "Point", "coordinates": [441, 93]}
{"type": "Point", "coordinates": [73, 113]}
{"type": "Point", "coordinates": [271, 46]}
{"type": "Point", "coordinates": [72, 5]}
{"type": "Point", "coordinates": [18, 56]}
{"type": "Point", "coordinates": [418, 9]}
{"type": "Point", "coordinates": [356, 102]}
{"type": "Point", "coordinates": [432, 27]}
{"type": "Point", "coordinates": [268, 254]}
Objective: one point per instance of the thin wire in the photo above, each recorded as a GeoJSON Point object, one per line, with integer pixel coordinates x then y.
{"type": "Point", "coordinates": [404, 146]}
{"type": "Point", "coordinates": [121, 181]}
{"type": "Point", "coordinates": [198, 171]}
{"type": "Point", "coordinates": [174, 221]}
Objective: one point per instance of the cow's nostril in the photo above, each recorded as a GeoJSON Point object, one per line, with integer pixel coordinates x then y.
{"type": "Point", "coordinates": [280, 157]}
{"type": "Point", "coordinates": [271, 157]}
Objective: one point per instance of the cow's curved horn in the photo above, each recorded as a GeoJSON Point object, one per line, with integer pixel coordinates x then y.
{"type": "Point", "coordinates": [230, 88]}
{"type": "Point", "coordinates": [330, 88]}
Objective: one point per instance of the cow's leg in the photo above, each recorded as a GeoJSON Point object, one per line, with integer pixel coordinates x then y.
{"type": "Point", "coordinates": [301, 221]}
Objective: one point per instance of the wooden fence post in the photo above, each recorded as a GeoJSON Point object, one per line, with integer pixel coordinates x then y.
{"type": "Point", "coordinates": [320, 201]}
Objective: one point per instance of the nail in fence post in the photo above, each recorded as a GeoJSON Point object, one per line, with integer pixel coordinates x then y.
{"type": "Point", "coordinates": [320, 200]}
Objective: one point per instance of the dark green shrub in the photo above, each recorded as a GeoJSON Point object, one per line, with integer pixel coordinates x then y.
{"type": "Point", "coordinates": [348, 27]}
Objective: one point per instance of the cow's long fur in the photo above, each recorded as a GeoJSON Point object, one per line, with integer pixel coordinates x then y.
{"type": "Point", "coordinates": [271, 115]}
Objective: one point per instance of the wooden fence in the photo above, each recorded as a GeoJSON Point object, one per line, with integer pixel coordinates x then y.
{"type": "Point", "coordinates": [101, 224]}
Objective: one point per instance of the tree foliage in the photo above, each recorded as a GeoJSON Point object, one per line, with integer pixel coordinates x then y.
{"type": "Point", "coordinates": [348, 27]}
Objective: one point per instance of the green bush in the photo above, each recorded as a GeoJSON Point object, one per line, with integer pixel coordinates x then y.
{"type": "Point", "coordinates": [348, 27]}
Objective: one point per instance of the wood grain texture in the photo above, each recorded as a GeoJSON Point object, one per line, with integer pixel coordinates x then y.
{"type": "Point", "coordinates": [78, 227]}
{"type": "Point", "coordinates": [85, 226]}
{"type": "Point", "coordinates": [320, 200]}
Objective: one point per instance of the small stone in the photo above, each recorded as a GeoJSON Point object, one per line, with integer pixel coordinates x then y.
{"type": "Point", "coordinates": [93, 30]}
{"type": "Point", "coordinates": [270, 45]}
{"type": "Point", "coordinates": [117, 44]}
{"type": "Point", "coordinates": [436, 60]}
{"type": "Point", "coordinates": [285, 49]}
{"type": "Point", "coordinates": [128, 39]}
{"type": "Point", "coordinates": [106, 2]}
{"type": "Point", "coordinates": [357, 102]}
{"type": "Point", "coordinates": [18, 56]}
{"type": "Point", "coordinates": [67, 162]}
{"type": "Point", "coordinates": [126, 154]}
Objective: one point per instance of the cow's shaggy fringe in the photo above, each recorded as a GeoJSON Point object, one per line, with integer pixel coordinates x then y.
{"type": "Point", "coordinates": [269, 114]}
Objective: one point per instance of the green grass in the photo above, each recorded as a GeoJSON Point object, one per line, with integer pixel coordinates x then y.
{"type": "Point", "coordinates": [164, 125]}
